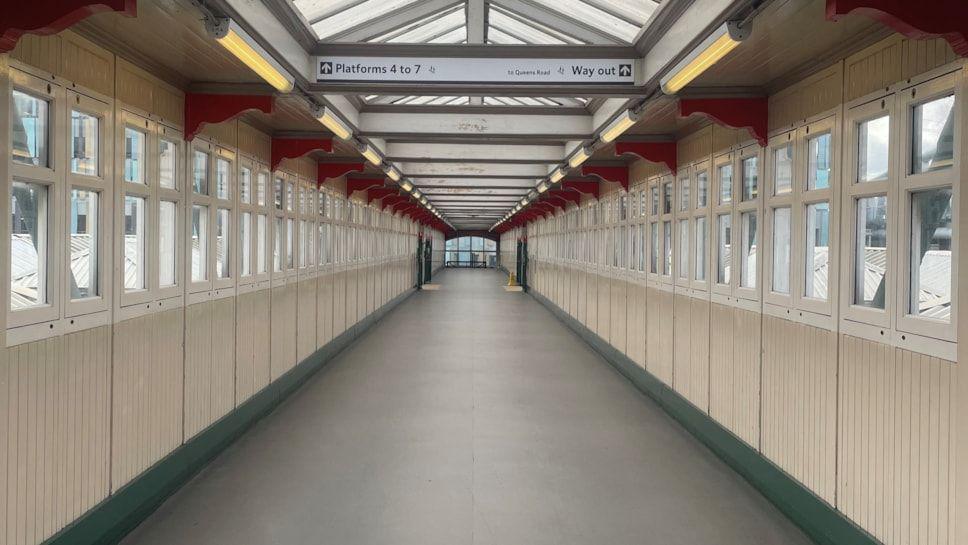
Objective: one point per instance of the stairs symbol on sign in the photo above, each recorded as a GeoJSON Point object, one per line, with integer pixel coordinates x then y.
{"type": "Point", "coordinates": [625, 69]}
{"type": "Point", "coordinates": [326, 68]}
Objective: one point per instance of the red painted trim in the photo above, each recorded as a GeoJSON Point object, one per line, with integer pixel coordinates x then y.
{"type": "Point", "coordinates": [582, 186]}
{"type": "Point", "coordinates": [361, 184]}
{"type": "Point", "coordinates": [618, 175]}
{"type": "Point", "coordinates": [735, 113]}
{"type": "Point", "coordinates": [326, 171]}
{"type": "Point", "coordinates": [391, 200]}
{"type": "Point", "coordinates": [916, 19]}
{"type": "Point", "coordinates": [381, 193]}
{"type": "Point", "coordinates": [294, 148]}
{"type": "Point", "coordinates": [202, 109]}
{"type": "Point", "coordinates": [656, 152]}
{"type": "Point", "coordinates": [566, 196]}
{"type": "Point", "coordinates": [46, 17]}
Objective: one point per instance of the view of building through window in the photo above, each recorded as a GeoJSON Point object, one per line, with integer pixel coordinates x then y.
{"type": "Point", "coordinates": [471, 252]}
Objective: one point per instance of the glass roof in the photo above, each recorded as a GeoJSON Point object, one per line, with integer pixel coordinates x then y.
{"type": "Point", "coordinates": [507, 21]}
{"type": "Point", "coordinates": [574, 102]}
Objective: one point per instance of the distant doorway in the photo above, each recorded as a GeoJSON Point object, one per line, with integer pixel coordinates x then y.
{"type": "Point", "coordinates": [471, 252]}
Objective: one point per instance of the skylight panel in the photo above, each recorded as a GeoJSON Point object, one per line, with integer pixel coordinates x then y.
{"type": "Point", "coordinates": [431, 28]}
{"type": "Point", "coordinates": [528, 31]}
{"type": "Point", "coordinates": [605, 22]}
{"type": "Point", "coordinates": [497, 36]}
{"type": "Point", "coordinates": [357, 15]}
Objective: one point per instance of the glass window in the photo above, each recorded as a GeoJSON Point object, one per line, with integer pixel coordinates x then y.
{"type": "Point", "coordinates": [684, 194]}
{"type": "Point", "coordinates": [750, 178]}
{"type": "Point", "coordinates": [781, 250]}
{"type": "Point", "coordinates": [222, 178]}
{"type": "Point", "coordinates": [134, 243]}
{"type": "Point", "coordinates": [724, 255]}
{"type": "Point", "coordinates": [817, 258]}
{"type": "Point", "coordinates": [873, 149]}
{"type": "Point", "coordinates": [818, 162]}
{"type": "Point", "coordinates": [683, 249]}
{"type": "Point", "coordinates": [290, 253]}
{"type": "Point", "coordinates": [701, 248]}
{"type": "Point", "coordinates": [654, 250]}
{"type": "Point", "coordinates": [167, 243]}
{"type": "Point", "coordinates": [934, 135]}
{"type": "Point", "coordinates": [223, 237]}
{"type": "Point", "coordinates": [303, 239]}
{"type": "Point", "coordinates": [667, 198]}
{"type": "Point", "coordinates": [323, 254]}
{"type": "Point", "coordinates": [748, 260]}
{"type": "Point", "coordinates": [277, 247]}
{"type": "Point", "coordinates": [200, 172]}
{"type": "Point", "coordinates": [667, 248]}
{"type": "Point", "coordinates": [134, 155]}
{"type": "Point", "coordinates": [702, 189]}
{"type": "Point", "coordinates": [290, 197]}
{"type": "Point", "coordinates": [260, 189]}
{"type": "Point", "coordinates": [30, 126]}
{"type": "Point", "coordinates": [783, 169]}
{"type": "Point", "coordinates": [655, 200]}
{"type": "Point", "coordinates": [725, 184]}
{"type": "Point", "coordinates": [84, 143]}
{"type": "Point", "coordinates": [28, 245]}
{"type": "Point", "coordinates": [84, 244]}
{"type": "Point", "coordinates": [245, 185]}
{"type": "Point", "coordinates": [261, 258]}
{"type": "Point", "coordinates": [199, 243]}
{"type": "Point", "coordinates": [641, 245]}
{"type": "Point", "coordinates": [245, 243]}
{"type": "Point", "coordinates": [167, 164]}
{"type": "Point", "coordinates": [870, 263]}
{"type": "Point", "coordinates": [931, 232]}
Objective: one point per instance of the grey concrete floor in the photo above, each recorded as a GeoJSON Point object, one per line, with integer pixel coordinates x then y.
{"type": "Point", "coordinates": [468, 415]}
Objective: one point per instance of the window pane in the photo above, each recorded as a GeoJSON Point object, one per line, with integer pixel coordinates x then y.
{"type": "Point", "coordinates": [702, 189]}
{"type": "Point", "coordinates": [667, 198]}
{"type": "Point", "coordinates": [477, 243]}
{"type": "Point", "coordinates": [260, 244]}
{"type": "Point", "coordinates": [245, 185]}
{"type": "Point", "coordinates": [30, 123]}
{"type": "Point", "coordinates": [781, 250]}
{"type": "Point", "coordinates": [260, 190]}
{"type": "Point", "coordinates": [199, 243]}
{"type": "Point", "coordinates": [290, 197]}
{"type": "Point", "coordinates": [818, 162]}
{"type": "Point", "coordinates": [724, 255]}
{"type": "Point", "coordinates": [700, 248]}
{"type": "Point", "coordinates": [748, 261]}
{"type": "Point", "coordinates": [683, 249]}
{"type": "Point", "coordinates": [870, 263]}
{"type": "Point", "coordinates": [134, 243]}
{"type": "Point", "coordinates": [684, 194]}
{"type": "Point", "coordinates": [321, 237]}
{"type": "Point", "coordinates": [84, 143]}
{"type": "Point", "coordinates": [277, 247]}
{"type": "Point", "coordinates": [84, 244]}
{"type": "Point", "coordinates": [223, 237]}
{"type": "Point", "coordinates": [750, 178]}
{"type": "Point", "coordinates": [223, 179]}
{"type": "Point", "coordinates": [783, 170]}
{"type": "Point", "coordinates": [667, 248]}
{"type": "Point", "coordinates": [725, 184]}
{"type": "Point", "coordinates": [290, 254]}
{"type": "Point", "coordinates": [655, 201]}
{"type": "Point", "coordinates": [931, 254]}
{"type": "Point", "coordinates": [490, 245]}
{"type": "Point", "coordinates": [277, 193]}
{"type": "Point", "coordinates": [654, 250]}
{"type": "Point", "coordinates": [245, 243]}
{"type": "Point", "coordinates": [134, 155]}
{"type": "Point", "coordinates": [817, 257]}
{"type": "Point", "coordinates": [200, 172]}
{"type": "Point", "coordinates": [167, 243]}
{"type": "Point", "coordinates": [167, 164]}
{"type": "Point", "coordinates": [303, 238]}
{"type": "Point", "coordinates": [873, 141]}
{"type": "Point", "coordinates": [28, 245]}
{"type": "Point", "coordinates": [934, 135]}
{"type": "Point", "coordinates": [641, 245]}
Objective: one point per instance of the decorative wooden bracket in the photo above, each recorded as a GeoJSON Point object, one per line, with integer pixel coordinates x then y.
{"type": "Point", "coordinates": [46, 17]}
{"type": "Point", "coordinates": [202, 109]}
{"type": "Point", "coordinates": [618, 175]}
{"type": "Point", "coordinates": [656, 152]}
{"type": "Point", "coordinates": [544, 207]}
{"type": "Point", "coordinates": [403, 206]}
{"type": "Point", "coordinates": [582, 186]}
{"type": "Point", "coordinates": [335, 170]}
{"type": "Point", "coordinates": [566, 196]}
{"type": "Point", "coordinates": [381, 193]}
{"type": "Point", "coordinates": [557, 202]}
{"type": "Point", "coordinates": [918, 20]}
{"type": "Point", "coordinates": [361, 184]}
{"type": "Point", "coordinates": [293, 148]}
{"type": "Point", "coordinates": [392, 200]}
{"type": "Point", "coordinates": [735, 113]}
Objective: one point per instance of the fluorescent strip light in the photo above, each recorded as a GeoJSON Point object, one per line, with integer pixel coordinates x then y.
{"type": "Point", "coordinates": [371, 155]}
{"type": "Point", "coordinates": [557, 175]}
{"type": "Point", "coordinates": [406, 185]}
{"type": "Point", "coordinates": [619, 125]}
{"type": "Point", "coordinates": [393, 174]}
{"type": "Point", "coordinates": [542, 187]}
{"type": "Point", "coordinates": [326, 116]}
{"type": "Point", "coordinates": [713, 48]}
{"type": "Point", "coordinates": [579, 157]}
{"type": "Point", "coordinates": [238, 42]}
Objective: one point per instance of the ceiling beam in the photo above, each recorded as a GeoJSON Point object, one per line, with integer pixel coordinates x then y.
{"type": "Point", "coordinates": [477, 89]}
{"type": "Point", "coordinates": [478, 182]}
{"type": "Point", "coordinates": [554, 127]}
{"type": "Point", "coordinates": [481, 51]}
{"type": "Point", "coordinates": [472, 169]}
{"type": "Point", "coordinates": [407, 151]}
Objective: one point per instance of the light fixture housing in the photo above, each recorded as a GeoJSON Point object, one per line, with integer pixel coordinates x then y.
{"type": "Point", "coordinates": [557, 175]}
{"type": "Point", "coordinates": [239, 43]}
{"type": "Point", "coordinates": [542, 187]}
{"type": "Point", "coordinates": [371, 154]}
{"type": "Point", "coordinates": [393, 174]}
{"type": "Point", "coordinates": [329, 119]}
{"type": "Point", "coordinates": [618, 126]}
{"type": "Point", "coordinates": [406, 185]}
{"type": "Point", "coordinates": [716, 46]}
{"type": "Point", "coordinates": [579, 157]}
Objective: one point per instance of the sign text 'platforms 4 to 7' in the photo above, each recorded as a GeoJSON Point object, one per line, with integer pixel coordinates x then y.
{"type": "Point", "coordinates": [473, 70]}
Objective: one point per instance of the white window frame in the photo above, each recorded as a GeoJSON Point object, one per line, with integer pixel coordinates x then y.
{"type": "Point", "coordinates": [203, 289]}
{"type": "Point", "coordinates": [701, 287]}
{"type": "Point", "coordinates": [724, 290]}
{"type": "Point", "coordinates": [177, 195]}
{"type": "Point", "coordinates": [683, 176]}
{"type": "Point", "coordinates": [144, 297]}
{"type": "Point", "coordinates": [740, 207]}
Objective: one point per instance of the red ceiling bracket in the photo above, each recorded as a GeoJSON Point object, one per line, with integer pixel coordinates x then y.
{"type": "Point", "coordinates": [566, 196]}
{"type": "Point", "coordinates": [918, 20]}
{"type": "Point", "coordinates": [380, 193]}
{"type": "Point", "coordinates": [202, 109]}
{"type": "Point", "coordinates": [581, 186]}
{"type": "Point", "coordinates": [618, 175]}
{"type": "Point", "coordinates": [655, 152]}
{"type": "Point", "coordinates": [392, 200]}
{"type": "Point", "coordinates": [46, 17]}
{"type": "Point", "coordinates": [335, 170]}
{"type": "Point", "coordinates": [294, 148]}
{"type": "Point", "coordinates": [361, 184]}
{"type": "Point", "coordinates": [735, 113]}
{"type": "Point", "coordinates": [544, 207]}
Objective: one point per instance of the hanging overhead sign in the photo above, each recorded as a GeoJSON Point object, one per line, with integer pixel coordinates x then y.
{"type": "Point", "coordinates": [331, 69]}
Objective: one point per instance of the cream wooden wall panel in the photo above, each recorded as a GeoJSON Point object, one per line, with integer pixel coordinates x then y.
{"type": "Point", "coordinates": [603, 302]}
{"type": "Point", "coordinates": [147, 392]}
{"type": "Point", "coordinates": [209, 363]}
{"type": "Point", "coordinates": [618, 326]}
{"type": "Point", "coordinates": [306, 319]}
{"type": "Point", "coordinates": [43, 52]}
{"type": "Point", "coordinates": [55, 399]}
{"type": "Point", "coordinates": [638, 329]}
{"type": "Point", "coordinates": [324, 309]}
{"type": "Point", "coordinates": [582, 297]}
{"type": "Point", "coordinates": [874, 67]}
{"type": "Point", "coordinates": [682, 345]}
{"type": "Point", "coordinates": [87, 64]}
{"type": "Point", "coordinates": [919, 56]}
{"type": "Point", "coordinates": [699, 353]}
{"type": "Point", "coordinates": [652, 329]}
{"type": "Point", "coordinates": [225, 133]}
{"type": "Point", "coordinates": [816, 94]}
{"type": "Point", "coordinates": [799, 403]}
{"type": "Point", "coordinates": [168, 103]}
{"type": "Point", "coordinates": [894, 422]}
{"type": "Point", "coordinates": [665, 348]}
{"type": "Point", "coordinates": [339, 304]}
{"type": "Point", "coordinates": [362, 284]}
{"type": "Point", "coordinates": [252, 345]}
{"type": "Point", "coordinates": [723, 138]}
{"type": "Point", "coordinates": [576, 293]}
{"type": "Point", "coordinates": [134, 87]}
{"type": "Point", "coordinates": [734, 376]}
{"type": "Point", "coordinates": [695, 146]}
{"type": "Point", "coordinates": [282, 330]}
{"type": "Point", "coordinates": [254, 142]}
{"type": "Point", "coordinates": [350, 294]}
